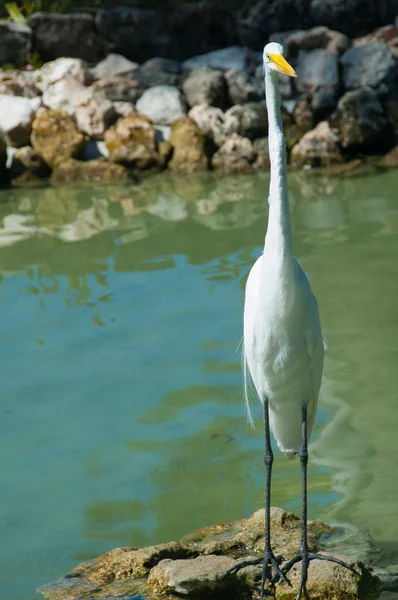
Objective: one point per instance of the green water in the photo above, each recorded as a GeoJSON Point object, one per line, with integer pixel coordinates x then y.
{"type": "Point", "coordinates": [121, 412]}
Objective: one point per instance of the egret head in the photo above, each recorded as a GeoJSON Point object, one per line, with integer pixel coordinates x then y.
{"type": "Point", "coordinates": [275, 61]}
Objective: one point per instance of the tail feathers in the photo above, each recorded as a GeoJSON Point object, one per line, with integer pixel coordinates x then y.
{"type": "Point", "coordinates": [249, 389]}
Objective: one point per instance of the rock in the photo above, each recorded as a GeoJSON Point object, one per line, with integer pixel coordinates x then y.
{"type": "Point", "coordinates": [261, 148]}
{"type": "Point", "coordinates": [355, 17]}
{"type": "Point", "coordinates": [303, 115]}
{"type": "Point", "coordinates": [318, 77]}
{"type": "Point", "coordinates": [63, 94]}
{"type": "Point", "coordinates": [236, 155]}
{"type": "Point", "coordinates": [61, 68]}
{"type": "Point", "coordinates": [318, 147]}
{"type": "Point", "coordinates": [124, 109]}
{"type": "Point", "coordinates": [390, 160]}
{"type": "Point", "coordinates": [199, 28]}
{"type": "Point", "coordinates": [94, 113]}
{"type": "Point", "coordinates": [248, 120]}
{"type": "Point", "coordinates": [16, 118]}
{"type": "Point", "coordinates": [317, 37]}
{"type": "Point", "coordinates": [18, 83]}
{"type": "Point", "coordinates": [3, 160]}
{"type": "Point", "coordinates": [60, 35]}
{"type": "Point", "coordinates": [135, 33]}
{"type": "Point", "coordinates": [163, 65]}
{"type": "Point", "coordinates": [359, 119]}
{"type": "Point", "coordinates": [237, 58]}
{"type": "Point", "coordinates": [370, 65]}
{"type": "Point", "coordinates": [269, 16]}
{"type": "Point", "coordinates": [151, 78]}
{"type": "Point", "coordinates": [189, 147]}
{"type": "Point", "coordinates": [101, 169]}
{"type": "Point", "coordinates": [163, 104]}
{"type": "Point", "coordinates": [26, 162]}
{"type": "Point", "coordinates": [211, 121]}
{"type": "Point", "coordinates": [119, 89]}
{"type": "Point", "coordinates": [242, 88]}
{"type": "Point", "coordinates": [114, 65]}
{"type": "Point", "coordinates": [15, 43]}
{"type": "Point", "coordinates": [132, 141]}
{"type": "Point", "coordinates": [197, 577]}
{"type": "Point", "coordinates": [391, 107]}
{"type": "Point", "coordinates": [206, 86]}
{"type": "Point", "coordinates": [55, 137]}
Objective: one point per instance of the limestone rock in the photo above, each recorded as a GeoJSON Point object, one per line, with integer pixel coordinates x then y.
{"type": "Point", "coordinates": [189, 147]}
{"type": "Point", "coordinates": [206, 86]}
{"type": "Point", "coordinates": [242, 88]}
{"type": "Point", "coordinates": [370, 65]}
{"type": "Point", "coordinates": [100, 169]}
{"type": "Point", "coordinates": [132, 141]}
{"type": "Point", "coordinates": [55, 137]}
{"type": "Point", "coordinates": [119, 89]}
{"type": "Point", "coordinates": [197, 577]}
{"type": "Point", "coordinates": [317, 37]}
{"type": "Point", "coordinates": [94, 113]}
{"type": "Point", "coordinates": [236, 155]}
{"type": "Point", "coordinates": [163, 104]}
{"type": "Point", "coordinates": [261, 148]}
{"type": "Point", "coordinates": [59, 35]}
{"type": "Point", "coordinates": [15, 43]}
{"type": "Point", "coordinates": [162, 65]}
{"type": "Point", "coordinates": [114, 65]}
{"type": "Point", "coordinates": [248, 120]}
{"type": "Point", "coordinates": [318, 147]}
{"type": "Point", "coordinates": [18, 83]}
{"type": "Point", "coordinates": [3, 160]}
{"type": "Point", "coordinates": [148, 78]}
{"type": "Point", "coordinates": [124, 109]}
{"type": "Point", "coordinates": [26, 162]}
{"type": "Point", "coordinates": [16, 118]}
{"type": "Point", "coordinates": [211, 121]}
{"type": "Point", "coordinates": [391, 108]}
{"type": "Point", "coordinates": [63, 94]}
{"type": "Point", "coordinates": [359, 119]}
{"type": "Point", "coordinates": [236, 58]}
{"type": "Point", "coordinates": [318, 77]}
{"type": "Point", "coordinates": [61, 68]}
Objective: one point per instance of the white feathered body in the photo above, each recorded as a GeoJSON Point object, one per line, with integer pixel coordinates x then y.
{"type": "Point", "coordinates": [283, 345]}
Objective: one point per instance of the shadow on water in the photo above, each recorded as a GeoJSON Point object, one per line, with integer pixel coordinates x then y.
{"type": "Point", "coordinates": [122, 412]}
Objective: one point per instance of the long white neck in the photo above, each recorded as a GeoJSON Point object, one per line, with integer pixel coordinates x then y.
{"type": "Point", "coordinates": [278, 240]}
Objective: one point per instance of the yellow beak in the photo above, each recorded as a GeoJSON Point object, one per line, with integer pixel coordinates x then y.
{"type": "Point", "coordinates": [282, 65]}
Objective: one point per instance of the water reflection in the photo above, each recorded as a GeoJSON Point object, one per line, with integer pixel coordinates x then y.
{"type": "Point", "coordinates": [122, 412]}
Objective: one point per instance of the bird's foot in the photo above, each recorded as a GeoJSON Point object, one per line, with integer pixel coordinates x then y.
{"type": "Point", "coordinates": [305, 557]}
{"type": "Point", "coordinates": [271, 564]}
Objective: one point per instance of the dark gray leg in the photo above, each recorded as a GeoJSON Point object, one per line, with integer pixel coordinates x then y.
{"type": "Point", "coordinates": [269, 561]}
{"type": "Point", "coordinates": [304, 555]}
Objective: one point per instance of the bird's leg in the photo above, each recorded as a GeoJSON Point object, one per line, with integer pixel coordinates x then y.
{"type": "Point", "coordinates": [269, 561]}
{"type": "Point", "coordinates": [304, 555]}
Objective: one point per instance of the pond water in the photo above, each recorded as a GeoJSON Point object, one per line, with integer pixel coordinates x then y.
{"type": "Point", "coordinates": [121, 413]}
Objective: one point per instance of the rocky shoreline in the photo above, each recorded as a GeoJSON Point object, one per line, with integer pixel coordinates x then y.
{"type": "Point", "coordinates": [93, 114]}
{"type": "Point", "coordinates": [194, 567]}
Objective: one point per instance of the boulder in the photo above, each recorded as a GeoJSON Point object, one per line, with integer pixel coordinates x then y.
{"type": "Point", "coordinates": [318, 147]}
{"type": "Point", "coordinates": [261, 148]}
{"type": "Point", "coordinates": [163, 65]}
{"type": "Point", "coordinates": [60, 35]}
{"type": "Point", "coordinates": [269, 16]}
{"type": "Point", "coordinates": [388, 33]}
{"type": "Point", "coordinates": [200, 27]}
{"type": "Point", "coordinates": [298, 123]}
{"type": "Point", "coordinates": [137, 34]}
{"type": "Point", "coordinates": [211, 121]}
{"type": "Point", "coordinates": [390, 160]}
{"type": "Point", "coordinates": [236, 155]}
{"type": "Point", "coordinates": [27, 162]}
{"type": "Point", "coordinates": [189, 147]}
{"type": "Point", "coordinates": [16, 118]}
{"type": "Point", "coordinates": [317, 37]}
{"type": "Point", "coordinates": [318, 77]}
{"type": "Point", "coordinates": [206, 86]}
{"type": "Point", "coordinates": [61, 68]}
{"type": "Point", "coordinates": [101, 169]}
{"type": "Point", "coordinates": [55, 137]}
{"type": "Point", "coordinates": [242, 88]}
{"type": "Point", "coordinates": [151, 78]}
{"type": "Point", "coordinates": [119, 89]}
{"type": "Point", "coordinates": [94, 113]}
{"type": "Point", "coordinates": [359, 120]}
{"type": "Point", "coordinates": [163, 104]}
{"type": "Point", "coordinates": [132, 141]}
{"type": "Point", "coordinates": [15, 43]}
{"type": "Point", "coordinates": [371, 64]}
{"type": "Point", "coordinates": [3, 160]}
{"type": "Point", "coordinates": [114, 65]}
{"type": "Point", "coordinates": [124, 109]}
{"type": "Point", "coordinates": [355, 17]}
{"type": "Point", "coordinates": [63, 94]}
{"type": "Point", "coordinates": [248, 120]}
{"type": "Point", "coordinates": [198, 577]}
{"type": "Point", "coordinates": [391, 107]}
{"type": "Point", "coordinates": [237, 58]}
{"type": "Point", "coordinates": [18, 83]}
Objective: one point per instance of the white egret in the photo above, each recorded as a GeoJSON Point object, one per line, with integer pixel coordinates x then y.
{"type": "Point", "coordinates": [282, 339]}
